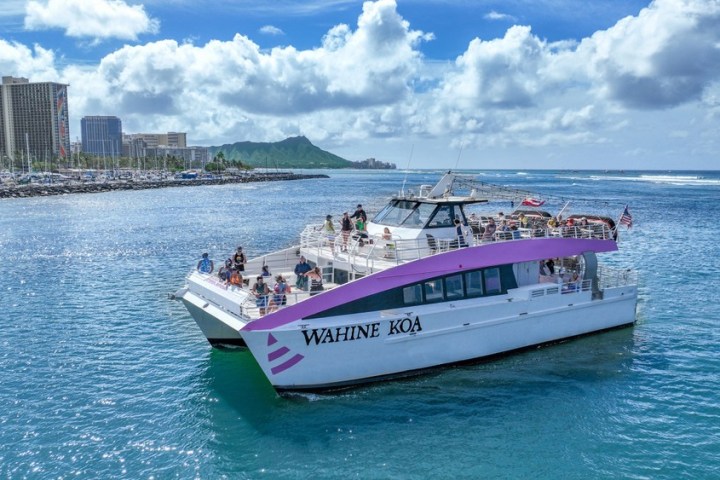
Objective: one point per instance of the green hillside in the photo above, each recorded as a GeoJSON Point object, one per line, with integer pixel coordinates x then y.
{"type": "Point", "coordinates": [294, 152]}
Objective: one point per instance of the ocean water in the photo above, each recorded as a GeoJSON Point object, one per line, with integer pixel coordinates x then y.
{"type": "Point", "coordinates": [102, 376]}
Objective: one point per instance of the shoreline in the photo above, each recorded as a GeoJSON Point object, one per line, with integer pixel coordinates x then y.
{"type": "Point", "coordinates": [46, 190]}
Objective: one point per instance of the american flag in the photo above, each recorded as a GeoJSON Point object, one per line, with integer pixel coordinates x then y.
{"type": "Point", "coordinates": [532, 202]}
{"type": "Point", "coordinates": [626, 218]}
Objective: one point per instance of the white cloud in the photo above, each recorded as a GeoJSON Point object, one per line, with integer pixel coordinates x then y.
{"type": "Point", "coordinates": [271, 30]}
{"type": "Point", "coordinates": [369, 84]}
{"type": "Point", "coordinates": [493, 15]}
{"type": "Point", "coordinates": [18, 60]}
{"type": "Point", "coordinates": [666, 56]}
{"type": "Point", "coordinates": [373, 65]}
{"type": "Point", "coordinates": [97, 19]}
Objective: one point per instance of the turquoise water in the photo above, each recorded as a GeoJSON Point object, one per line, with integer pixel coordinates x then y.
{"type": "Point", "coordinates": [101, 376]}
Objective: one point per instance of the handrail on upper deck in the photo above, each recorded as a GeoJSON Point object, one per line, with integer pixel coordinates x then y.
{"type": "Point", "coordinates": [375, 248]}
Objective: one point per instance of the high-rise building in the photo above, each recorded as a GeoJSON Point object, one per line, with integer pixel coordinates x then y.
{"type": "Point", "coordinates": [176, 139]}
{"type": "Point", "coordinates": [154, 140]}
{"type": "Point", "coordinates": [33, 119]}
{"type": "Point", "coordinates": [101, 135]}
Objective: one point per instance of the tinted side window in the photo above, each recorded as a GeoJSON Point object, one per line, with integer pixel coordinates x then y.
{"type": "Point", "coordinates": [412, 294]}
{"type": "Point", "coordinates": [454, 287]}
{"type": "Point", "coordinates": [492, 281]}
{"type": "Point", "coordinates": [473, 282]}
{"type": "Point", "coordinates": [433, 290]}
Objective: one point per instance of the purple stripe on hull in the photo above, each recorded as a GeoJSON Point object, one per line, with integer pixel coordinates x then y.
{"type": "Point", "coordinates": [277, 353]}
{"type": "Point", "coordinates": [437, 265]}
{"type": "Point", "coordinates": [285, 365]}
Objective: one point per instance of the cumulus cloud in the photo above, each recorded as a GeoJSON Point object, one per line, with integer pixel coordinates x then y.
{"type": "Point", "coordinates": [667, 55]}
{"type": "Point", "coordinates": [524, 90]}
{"type": "Point", "coordinates": [271, 30]}
{"type": "Point", "coordinates": [370, 81]}
{"type": "Point", "coordinates": [97, 19]}
{"type": "Point", "coordinates": [20, 61]}
{"type": "Point", "coordinates": [352, 69]}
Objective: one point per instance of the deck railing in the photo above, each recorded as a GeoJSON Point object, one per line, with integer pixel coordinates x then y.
{"type": "Point", "coordinates": [362, 248]}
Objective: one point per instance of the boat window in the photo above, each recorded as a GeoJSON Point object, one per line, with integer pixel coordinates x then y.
{"type": "Point", "coordinates": [434, 290]}
{"type": "Point", "coordinates": [492, 281]}
{"type": "Point", "coordinates": [412, 295]}
{"type": "Point", "coordinates": [398, 212]}
{"type": "Point", "coordinates": [419, 216]}
{"type": "Point", "coordinates": [383, 213]}
{"type": "Point", "coordinates": [473, 281]}
{"type": "Point", "coordinates": [444, 216]}
{"type": "Point", "coordinates": [454, 287]}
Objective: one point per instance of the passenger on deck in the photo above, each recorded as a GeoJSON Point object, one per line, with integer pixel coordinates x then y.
{"type": "Point", "coordinates": [316, 281]}
{"type": "Point", "coordinates": [265, 271]}
{"type": "Point", "coordinates": [360, 231]}
{"type": "Point", "coordinates": [235, 278]}
{"type": "Point", "coordinates": [239, 260]}
{"type": "Point", "coordinates": [359, 213]}
{"type": "Point", "coordinates": [543, 268]}
{"type": "Point", "coordinates": [281, 289]}
{"type": "Point", "coordinates": [474, 219]}
{"type": "Point", "coordinates": [205, 265]}
{"type": "Point", "coordinates": [489, 230]}
{"type": "Point", "coordinates": [346, 227]}
{"type": "Point", "coordinates": [329, 231]}
{"type": "Point", "coordinates": [261, 292]}
{"type": "Point", "coordinates": [459, 234]}
{"type": "Point", "coordinates": [301, 270]}
{"type": "Point", "coordinates": [225, 271]}
{"type": "Point", "coordinates": [523, 221]}
{"type": "Point", "coordinates": [515, 232]}
{"type": "Point", "coordinates": [504, 227]}
{"type": "Point", "coordinates": [550, 264]}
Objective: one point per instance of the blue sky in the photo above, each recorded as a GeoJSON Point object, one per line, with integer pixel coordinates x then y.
{"type": "Point", "coordinates": [509, 84]}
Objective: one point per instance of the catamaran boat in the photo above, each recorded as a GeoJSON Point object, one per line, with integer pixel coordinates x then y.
{"type": "Point", "coordinates": [417, 290]}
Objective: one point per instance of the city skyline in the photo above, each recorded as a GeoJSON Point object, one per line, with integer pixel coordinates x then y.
{"type": "Point", "coordinates": [487, 84]}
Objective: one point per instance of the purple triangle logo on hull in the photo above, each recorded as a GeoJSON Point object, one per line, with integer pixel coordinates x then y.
{"type": "Point", "coordinates": [280, 352]}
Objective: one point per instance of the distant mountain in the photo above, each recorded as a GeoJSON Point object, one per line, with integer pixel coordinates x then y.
{"type": "Point", "coordinates": [294, 152]}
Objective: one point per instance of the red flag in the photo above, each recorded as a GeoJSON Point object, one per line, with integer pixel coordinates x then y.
{"type": "Point", "coordinates": [532, 202]}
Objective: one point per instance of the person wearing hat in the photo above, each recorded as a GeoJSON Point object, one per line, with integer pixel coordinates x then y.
{"type": "Point", "coordinates": [205, 265]}
{"type": "Point", "coordinates": [239, 260]}
{"type": "Point", "coordinates": [359, 213]}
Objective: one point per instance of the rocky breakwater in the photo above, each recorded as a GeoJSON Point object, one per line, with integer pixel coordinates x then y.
{"type": "Point", "coordinates": [41, 190]}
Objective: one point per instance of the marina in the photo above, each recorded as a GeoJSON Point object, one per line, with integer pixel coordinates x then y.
{"type": "Point", "coordinates": [104, 377]}
{"type": "Point", "coordinates": [50, 184]}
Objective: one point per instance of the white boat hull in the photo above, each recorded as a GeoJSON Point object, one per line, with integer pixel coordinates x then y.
{"type": "Point", "coordinates": [387, 344]}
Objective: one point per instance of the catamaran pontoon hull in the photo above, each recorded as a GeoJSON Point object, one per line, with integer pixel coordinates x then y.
{"type": "Point", "coordinates": [319, 355]}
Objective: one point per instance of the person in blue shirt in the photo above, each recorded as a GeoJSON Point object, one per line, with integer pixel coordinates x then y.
{"type": "Point", "coordinates": [205, 265]}
{"type": "Point", "coordinates": [301, 270]}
